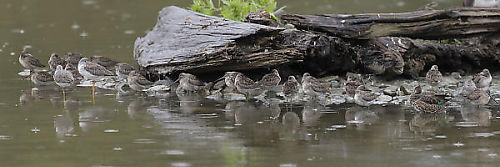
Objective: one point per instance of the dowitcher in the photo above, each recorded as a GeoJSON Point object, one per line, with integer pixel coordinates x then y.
{"type": "Point", "coordinates": [247, 86]}
{"type": "Point", "coordinates": [122, 70]}
{"type": "Point", "coordinates": [42, 78]}
{"type": "Point", "coordinates": [363, 96]}
{"type": "Point", "coordinates": [63, 78]}
{"type": "Point", "coordinates": [482, 79]}
{"type": "Point", "coordinates": [71, 68]}
{"type": "Point", "coordinates": [138, 82]}
{"type": "Point", "coordinates": [229, 78]}
{"type": "Point", "coordinates": [291, 88]}
{"type": "Point", "coordinates": [190, 83]}
{"type": "Point", "coordinates": [312, 86]}
{"type": "Point", "coordinates": [104, 61]}
{"type": "Point", "coordinates": [351, 84]}
{"type": "Point", "coordinates": [433, 76]}
{"type": "Point", "coordinates": [270, 80]}
{"type": "Point", "coordinates": [28, 61]}
{"type": "Point", "coordinates": [55, 60]}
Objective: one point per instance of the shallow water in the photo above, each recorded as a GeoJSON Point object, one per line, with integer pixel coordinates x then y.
{"type": "Point", "coordinates": [39, 128]}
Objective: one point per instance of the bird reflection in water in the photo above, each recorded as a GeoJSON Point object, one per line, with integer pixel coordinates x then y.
{"type": "Point", "coordinates": [479, 115]}
{"type": "Point", "coordinates": [311, 115]}
{"type": "Point", "coordinates": [362, 117]}
{"type": "Point", "coordinates": [428, 123]}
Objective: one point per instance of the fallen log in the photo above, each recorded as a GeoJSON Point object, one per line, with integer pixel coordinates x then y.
{"type": "Point", "coordinates": [183, 40]}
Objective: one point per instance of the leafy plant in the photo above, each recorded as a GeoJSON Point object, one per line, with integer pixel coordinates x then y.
{"type": "Point", "coordinates": [206, 7]}
{"type": "Point", "coordinates": [235, 9]}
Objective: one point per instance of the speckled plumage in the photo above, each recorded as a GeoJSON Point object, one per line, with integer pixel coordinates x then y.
{"type": "Point", "coordinates": [229, 78]}
{"type": "Point", "coordinates": [28, 61]}
{"type": "Point", "coordinates": [247, 86]}
{"type": "Point", "coordinates": [291, 88]}
{"type": "Point", "coordinates": [190, 83]}
{"type": "Point", "coordinates": [42, 78]}
{"type": "Point", "coordinates": [312, 86]}
{"type": "Point", "coordinates": [351, 85]}
{"type": "Point", "coordinates": [270, 80]}
{"type": "Point", "coordinates": [363, 96]}
{"type": "Point", "coordinates": [468, 87]}
{"type": "Point", "coordinates": [138, 82]}
{"type": "Point", "coordinates": [55, 60]}
{"type": "Point", "coordinates": [482, 79]}
{"type": "Point", "coordinates": [73, 58]}
{"type": "Point", "coordinates": [433, 76]}
{"type": "Point", "coordinates": [71, 68]}
{"type": "Point", "coordinates": [479, 96]}
{"type": "Point", "coordinates": [422, 106]}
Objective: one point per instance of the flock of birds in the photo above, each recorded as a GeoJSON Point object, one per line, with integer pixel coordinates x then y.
{"type": "Point", "coordinates": [97, 68]}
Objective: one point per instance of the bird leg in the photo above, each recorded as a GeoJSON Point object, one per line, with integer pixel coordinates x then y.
{"type": "Point", "coordinates": [93, 92]}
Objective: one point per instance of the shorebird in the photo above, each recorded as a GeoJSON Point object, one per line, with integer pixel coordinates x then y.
{"type": "Point", "coordinates": [468, 87]}
{"type": "Point", "coordinates": [247, 86]}
{"type": "Point", "coordinates": [42, 78]}
{"type": "Point", "coordinates": [28, 61]}
{"type": "Point", "coordinates": [270, 80]}
{"type": "Point", "coordinates": [363, 96]}
{"type": "Point", "coordinates": [482, 79]}
{"type": "Point", "coordinates": [122, 70]}
{"type": "Point", "coordinates": [63, 78]}
{"type": "Point", "coordinates": [104, 61]}
{"type": "Point", "coordinates": [190, 83]}
{"type": "Point", "coordinates": [433, 76]}
{"type": "Point", "coordinates": [426, 101]}
{"type": "Point", "coordinates": [73, 58]}
{"type": "Point", "coordinates": [55, 60]}
{"type": "Point", "coordinates": [422, 106]}
{"type": "Point", "coordinates": [229, 78]}
{"type": "Point", "coordinates": [92, 71]}
{"type": "Point", "coordinates": [351, 84]}
{"type": "Point", "coordinates": [291, 89]}
{"type": "Point", "coordinates": [312, 86]}
{"type": "Point", "coordinates": [71, 68]}
{"type": "Point", "coordinates": [482, 3]}
{"type": "Point", "coordinates": [479, 96]}
{"type": "Point", "coordinates": [138, 82]}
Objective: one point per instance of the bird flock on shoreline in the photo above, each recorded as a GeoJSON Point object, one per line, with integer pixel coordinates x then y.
{"type": "Point", "coordinates": [73, 68]}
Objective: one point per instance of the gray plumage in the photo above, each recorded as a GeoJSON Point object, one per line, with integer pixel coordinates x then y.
{"type": "Point", "coordinates": [122, 70]}
{"type": "Point", "coordinates": [104, 61]}
{"type": "Point", "coordinates": [247, 86]}
{"type": "Point", "coordinates": [73, 58]}
{"type": "Point", "coordinates": [479, 96]}
{"type": "Point", "coordinates": [363, 96]}
{"type": "Point", "coordinates": [55, 60]}
{"type": "Point", "coordinates": [291, 88]}
{"type": "Point", "coordinates": [312, 86]}
{"type": "Point", "coordinates": [190, 83]}
{"type": "Point", "coordinates": [93, 71]}
{"type": "Point", "coordinates": [433, 76]}
{"type": "Point", "coordinates": [138, 82]}
{"type": "Point", "coordinates": [42, 78]}
{"type": "Point", "coordinates": [351, 85]}
{"type": "Point", "coordinates": [71, 68]}
{"type": "Point", "coordinates": [270, 80]}
{"type": "Point", "coordinates": [482, 79]}
{"type": "Point", "coordinates": [62, 77]}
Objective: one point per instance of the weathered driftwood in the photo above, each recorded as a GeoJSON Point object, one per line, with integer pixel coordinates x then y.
{"type": "Point", "coordinates": [425, 24]}
{"type": "Point", "coordinates": [183, 40]}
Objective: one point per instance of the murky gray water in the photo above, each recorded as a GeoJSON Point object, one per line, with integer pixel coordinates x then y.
{"type": "Point", "coordinates": [39, 128]}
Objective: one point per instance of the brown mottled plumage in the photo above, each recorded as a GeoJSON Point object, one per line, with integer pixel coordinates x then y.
{"type": "Point", "coordinates": [55, 60]}
{"type": "Point", "coordinates": [138, 82]}
{"type": "Point", "coordinates": [247, 86]}
{"type": "Point", "coordinates": [291, 88]}
{"type": "Point", "coordinates": [433, 76]}
{"type": "Point", "coordinates": [190, 83]}
{"type": "Point", "coordinates": [73, 58]}
{"type": "Point", "coordinates": [123, 69]}
{"type": "Point", "coordinates": [363, 96]}
{"type": "Point", "coordinates": [482, 79]}
{"type": "Point", "coordinates": [270, 80]}
{"type": "Point", "coordinates": [479, 96]}
{"type": "Point", "coordinates": [28, 61]}
{"type": "Point", "coordinates": [104, 61]}
{"type": "Point", "coordinates": [351, 85]}
{"type": "Point", "coordinates": [312, 86]}
{"type": "Point", "coordinates": [42, 78]}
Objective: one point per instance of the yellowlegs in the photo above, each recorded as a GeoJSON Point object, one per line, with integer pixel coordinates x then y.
{"type": "Point", "coordinates": [482, 79]}
{"type": "Point", "coordinates": [433, 76]}
{"type": "Point", "coordinates": [138, 82]}
{"type": "Point", "coordinates": [122, 70]}
{"type": "Point", "coordinates": [94, 72]}
{"type": "Point", "coordinates": [28, 61]}
{"type": "Point", "coordinates": [42, 78]}
{"type": "Point", "coordinates": [363, 96]}
{"type": "Point", "coordinates": [55, 60]}
{"type": "Point", "coordinates": [63, 78]}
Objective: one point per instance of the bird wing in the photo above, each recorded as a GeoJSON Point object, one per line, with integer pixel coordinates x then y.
{"type": "Point", "coordinates": [64, 77]}
{"type": "Point", "coordinates": [44, 76]}
{"type": "Point", "coordinates": [35, 62]}
{"type": "Point", "coordinates": [195, 81]}
{"type": "Point", "coordinates": [98, 70]}
{"type": "Point", "coordinates": [368, 96]}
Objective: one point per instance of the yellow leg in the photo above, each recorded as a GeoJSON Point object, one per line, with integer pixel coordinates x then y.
{"type": "Point", "coordinates": [64, 98]}
{"type": "Point", "coordinates": [93, 92]}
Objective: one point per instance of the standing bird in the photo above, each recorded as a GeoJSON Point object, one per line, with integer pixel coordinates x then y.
{"type": "Point", "coordinates": [270, 80]}
{"type": "Point", "coordinates": [313, 86]}
{"type": "Point", "coordinates": [351, 85]}
{"type": "Point", "coordinates": [28, 61]}
{"type": "Point", "coordinates": [92, 71]}
{"type": "Point", "coordinates": [229, 79]}
{"type": "Point", "coordinates": [55, 60]}
{"type": "Point", "coordinates": [482, 79]}
{"type": "Point", "coordinates": [73, 58]}
{"type": "Point", "coordinates": [138, 82]}
{"type": "Point", "coordinates": [363, 96]}
{"type": "Point", "coordinates": [190, 83]}
{"type": "Point", "coordinates": [104, 61]}
{"type": "Point", "coordinates": [42, 78]}
{"type": "Point", "coordinates": [63, 78]}
{"type": "Point", "coordinates": [247, 86]}
{"type": "Point", "coordinates": [433, 76]}
{"type": "Point", "coordinates": [468, 87]}
{"type": "Point", "coordinates": [291, 89]}
{"type": "Point", "coordinates": [122, 70]}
